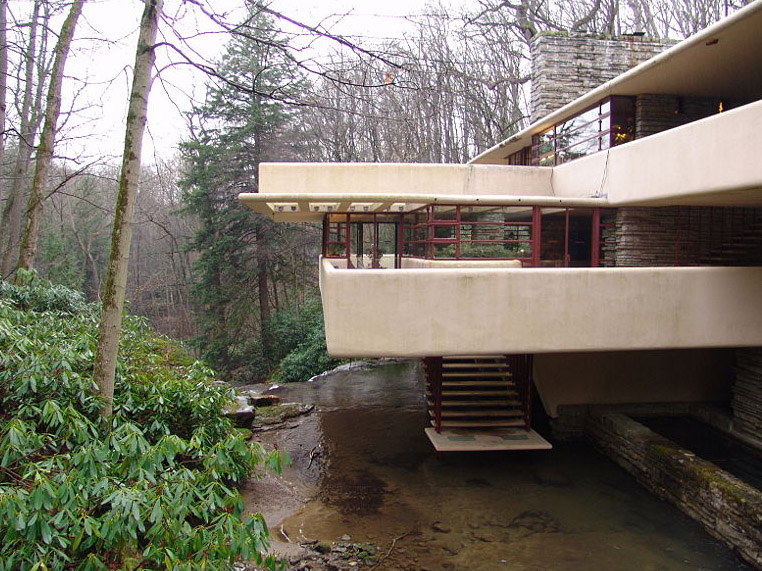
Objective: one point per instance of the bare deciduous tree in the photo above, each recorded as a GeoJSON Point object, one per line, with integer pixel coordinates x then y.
{"type": "Point", "coordinates": [27, 117]}
{"type": "Point", "coordinates": [116, 275]}
{"type": "Point", "coordinates": [44, 155]}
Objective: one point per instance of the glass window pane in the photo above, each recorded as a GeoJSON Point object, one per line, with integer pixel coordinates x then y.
{"type": "Point", "coordinates": [622, 120]}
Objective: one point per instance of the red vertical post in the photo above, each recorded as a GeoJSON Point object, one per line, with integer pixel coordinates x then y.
{"type": "Point", "coordinates": [536, 236]}
{"type": "Point", "coordinates": [400, 239]}
{"type": "Point", "coordinates": [528, 363]}
{"type": "Point", "coordinates": [375, 260]}
{"type": "Point", "coordinates": [433, 368]}
{"type": "Point", "coordinates": [347, 239]}
{"type": "Point", "coordinates": [457, 232]}
{"type": "Point", "coordinates": [595, 254]}
{"type": "Point", "coordinates": [430, 232]}
{"type": "Point", "coordinates": [520, 367]}
{"type": "Point", "coordinates": [324, 248]}
{"type": "Point", "coordinates": [566, 239]}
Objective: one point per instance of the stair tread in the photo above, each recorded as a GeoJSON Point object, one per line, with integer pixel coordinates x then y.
{"type": "Point", "coordinates": [492, 374]}
{"type": "Point", "coordinates": [481, 414]}
{"type": "Point", "coordinates": [479, 383]}
{"type": "Point", "coordinates": [451, 365]}
{"type": "Point", "coordinates": [508, 395]}
{"type": "Point", "coordinates": [479, 424]}
{"type": "Point", "coordinates": [478, 403]}
{"type": "Point", "coordinates": [473, 357]}
{"type": "Point", "coordinates": [474, 393]}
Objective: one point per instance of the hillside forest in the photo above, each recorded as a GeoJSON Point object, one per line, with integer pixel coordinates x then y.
{"type": "Point", "coordinates": [239, 291]}
{"type": "Point", "coordinates": [134, 292]}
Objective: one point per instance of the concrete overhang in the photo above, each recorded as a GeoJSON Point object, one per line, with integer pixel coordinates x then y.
{"type": "Point", "coordinates": [305, 192]}
{"type": "Point", "coordinates": [711, 162]}
{"type": "Point", "coordinates": [723, 60]}
{"type": "Point", "coordinates": [476, 311]}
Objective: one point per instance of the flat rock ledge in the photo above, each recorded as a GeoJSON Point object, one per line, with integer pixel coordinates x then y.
{"type": "Point", "coordinates": [323, 556]}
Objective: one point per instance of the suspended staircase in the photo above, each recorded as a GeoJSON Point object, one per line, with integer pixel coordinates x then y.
{"type": "Point", "coordinates": [480, 402]}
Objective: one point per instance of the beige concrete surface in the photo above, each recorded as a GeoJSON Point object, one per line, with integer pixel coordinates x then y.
{"type": "Point", "coordinates": [714, 161]}
{"type": "Point", "coordinates": [426, 263]}
{"type": "Point", "coordinates": [711, 162]}
{"type": "Point", "coordinates": [402, 178]}
{"type": "Point", "coordinates": [620, 377]}
{"type": "Point", "coordinates": [420, 312]}
{"type": "Point", "coordinates": [470, 440]}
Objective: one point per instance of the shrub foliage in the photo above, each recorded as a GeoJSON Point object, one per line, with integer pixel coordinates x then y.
{"type": "Point", "coordinates": [302, 342]}
{"type": "Point", "coordinates": [152, 487]}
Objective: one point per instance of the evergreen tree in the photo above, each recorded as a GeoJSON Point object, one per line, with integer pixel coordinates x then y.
{"type": "Point", "coordinates": [243, 122]}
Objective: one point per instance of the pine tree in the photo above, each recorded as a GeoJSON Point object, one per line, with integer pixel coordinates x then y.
{"type": "Point", "coordinates": [242, 123]}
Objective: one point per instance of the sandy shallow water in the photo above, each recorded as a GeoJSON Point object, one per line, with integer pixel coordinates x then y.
{"type": "Point", "coordinates": [362, 467]}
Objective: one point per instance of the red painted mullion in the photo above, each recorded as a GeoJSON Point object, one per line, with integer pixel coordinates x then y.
{"type": "Point", "coordinates": [347, 240]}
{"type": "Point", "coordinates": [566, 239]}
{"type": "Point", "coordinates": [457, 232]}
{"type": "Point", "coordinates": [324, 249]}
{"type": "Point", "coordinates": [536, 235]}
{"type": "Point", "coordinates": [595, 255]}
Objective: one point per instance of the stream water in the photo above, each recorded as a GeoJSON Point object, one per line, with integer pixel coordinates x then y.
{"type": "Point", "coordinates": [362, 467]}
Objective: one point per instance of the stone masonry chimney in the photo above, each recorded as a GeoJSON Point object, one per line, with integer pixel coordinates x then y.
{"type": "Point", "coordinates": [566, 65]}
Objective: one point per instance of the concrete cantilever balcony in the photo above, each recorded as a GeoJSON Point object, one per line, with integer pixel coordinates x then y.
{"type": "Point", "coordinates": [477, 310]}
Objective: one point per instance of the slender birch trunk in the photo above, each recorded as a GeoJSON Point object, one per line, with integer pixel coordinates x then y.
{"type": "Point", "coordinates": [116, 274]}
{"type": "Point", "coordinates": [29, 239]}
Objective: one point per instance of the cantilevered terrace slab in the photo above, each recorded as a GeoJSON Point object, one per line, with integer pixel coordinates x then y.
{"type": "Point", "coordinates": [305, 192]}
{"type": "Point", "coordinates": [478, 311]}
{"type": "Point", "coordinates": [711, 162]}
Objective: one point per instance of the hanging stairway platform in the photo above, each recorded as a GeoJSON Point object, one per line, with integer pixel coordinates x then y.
{"type": "Point", "coordinates": [481, 402]}
{"type": "Point", "coordinates": [471, 440]}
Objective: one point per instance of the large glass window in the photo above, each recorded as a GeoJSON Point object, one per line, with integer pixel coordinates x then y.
{"type": "Point", "coordinates": [552, 237]}
{"type": "Point", "coordinates": [537, 236]}
{"type": "Point", "coordinates": [363, 240]}
{"type": "Point", "coordinates": [469, 232]}
{"type": "Point", "coordinates": [607, 124]}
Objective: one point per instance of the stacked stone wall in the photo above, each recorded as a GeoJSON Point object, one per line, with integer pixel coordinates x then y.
{"type": "Point", "coordinates": [747, 395]}
{"type": "Point", "coordinates": [702, 236]}
{"type": "Point", "coordinates": [566, 66]}
{"type": "Point", "coordinates": [491, 228]}
{"type": "Point", "coordinates": [657, 113]}
{"type": "Point", "coordinates": [688, 236]}
{"type": "Point", "coordinates": [726, 507]}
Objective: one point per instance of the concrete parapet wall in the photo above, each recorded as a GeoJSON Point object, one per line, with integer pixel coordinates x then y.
{"type": "Point", "coordinates": [411, 263]}
{"type": "Point", "coordinates": [395, 178]}
{"type": "Point", "coordinates": [726, 507]}
{"type": "Point", "coordinates": [710, 162]}
{"type": "Point", "coordinates": [456, 311]}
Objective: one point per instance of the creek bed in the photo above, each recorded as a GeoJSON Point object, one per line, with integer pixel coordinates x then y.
{"type": "Point", "coordinates": [364, 469]}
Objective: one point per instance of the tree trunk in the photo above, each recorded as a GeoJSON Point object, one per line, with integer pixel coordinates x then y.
{"type": "Point", "coordinates": [3, 76]}
{"type": "Point", "coordinates": [11, 211]}
{"type": "Point", "coordinates": [116, 275]}
{"type": "Point", "coordinates": [263, 291]}
{"type": "Point", "coordinates": [28, 248]}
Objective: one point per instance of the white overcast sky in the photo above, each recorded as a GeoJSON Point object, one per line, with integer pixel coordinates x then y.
{"type": "Point", "coordinates": [98, 68]}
